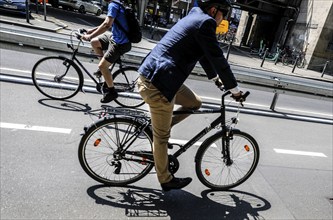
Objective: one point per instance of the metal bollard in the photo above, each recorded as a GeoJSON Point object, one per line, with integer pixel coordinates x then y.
{"type": "Point", "coordinates": [295, 64]}
{"type": "Point", "coordinates": [274, 101]}
{"type": "Point", "coordinates": [263, 59]}
{"type": "Point", "coordinates": [27, 11]}
{"type": "Point", "coordinates": [322, 74]}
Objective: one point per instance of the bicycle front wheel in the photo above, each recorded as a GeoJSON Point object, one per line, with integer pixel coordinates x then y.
{"type": "Point", "coordinates": [214, 171]}
{"type": "Point", "coordinates": [57, 77]}
{"type": "Point", "coordinates": [125, 80]}
{"type": "Point", "coordinates": [114, 153]}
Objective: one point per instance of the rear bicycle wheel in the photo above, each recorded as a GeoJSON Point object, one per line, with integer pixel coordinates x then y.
{"type": "Point", "coordinates": [57, 77]}
{"type": "Point", "coordinates": [101, 156]}
{"type": "Point", "coordinates": [285, 60]}
{"type": "Point", "coordinates": [211, 167]}
{"type": "Point", "coordinates": [301, 62]}
{"type": "Point", "coordinates": [125, 80]}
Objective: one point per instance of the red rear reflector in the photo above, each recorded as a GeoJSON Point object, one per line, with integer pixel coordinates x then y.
{"type": "Point", "coordinates": [97, 142]}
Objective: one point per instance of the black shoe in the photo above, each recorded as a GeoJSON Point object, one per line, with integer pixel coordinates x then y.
{"type": "Point", "coordinates": [102, 87]}
{"type": "Point", "coordinates": [176, 183]}
{"type": "Point", "coordinates": [109, 96]}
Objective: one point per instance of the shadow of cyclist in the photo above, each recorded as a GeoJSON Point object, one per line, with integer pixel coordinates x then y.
{"type": "Point", "coordinates": [65, 105]}
{"type": "Point", "coordinates": [145, 203]}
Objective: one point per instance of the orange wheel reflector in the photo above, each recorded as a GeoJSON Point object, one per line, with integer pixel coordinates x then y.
{"type": "Point", "coordinates": [207, 172]}
{"type": "Point", "coordinates": [247, 148]}
{"type": "Point", "coordinates": [97, 142]}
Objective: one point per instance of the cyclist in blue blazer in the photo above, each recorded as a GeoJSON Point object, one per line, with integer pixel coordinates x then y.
{"type": "Point", "coordinates": [164, 70]}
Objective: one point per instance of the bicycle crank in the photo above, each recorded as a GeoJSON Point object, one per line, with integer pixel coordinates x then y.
{"type": "Point", "coordinates": [173, 164]}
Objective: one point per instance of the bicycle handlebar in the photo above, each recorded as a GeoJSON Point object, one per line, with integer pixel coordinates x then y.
{"type": "Point", "coordinates": [79, 33]}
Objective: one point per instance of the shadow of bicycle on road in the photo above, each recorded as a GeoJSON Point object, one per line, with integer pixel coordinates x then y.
{"type": "Point", "coordinates": [145, 203]}
{"type": "Point", "coordinates": [65, 105]}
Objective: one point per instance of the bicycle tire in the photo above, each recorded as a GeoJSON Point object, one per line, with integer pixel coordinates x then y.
{"type": "Point", "coordinates": [46, 77]}
{"type": "Point", "coordinates": [125, 80]}
{"type": "Point", "coordinates": [97, 151]}
{"type": "Point", "coordinates": [301, 62]}
{"type": "Point", "coordinates": [285, 60]}
{"type": "Point", "coordinates": [212, 170]}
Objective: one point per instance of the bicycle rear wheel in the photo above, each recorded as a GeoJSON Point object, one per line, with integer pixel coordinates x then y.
{"type": "Point", "coordinates": [211, 167]}
{"type": "Point", "coordinates": [125, 80]}
{"type": "Point", "coordinates": [57, 77]}
{"type": "Point", "coordinates": [114, 153]}
{"type": "Point", "coordinates": [285, 60]}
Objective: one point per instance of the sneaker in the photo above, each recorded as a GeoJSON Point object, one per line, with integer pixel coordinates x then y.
{"type": "Point", "coordinates": [109, 96]}
{"type": "Point", "coordinates": [102, 87]}
{"type": "Point", "coordinates": [176, 183]}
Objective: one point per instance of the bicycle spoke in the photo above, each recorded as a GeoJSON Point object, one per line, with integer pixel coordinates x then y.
{"type": "Point", "coordinates": [218, 172]}
{"type": "Point", "coordinates": [103, 156]}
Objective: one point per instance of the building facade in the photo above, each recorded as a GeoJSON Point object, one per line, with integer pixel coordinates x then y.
{"type": "Point", "coordinates": [303, 25]}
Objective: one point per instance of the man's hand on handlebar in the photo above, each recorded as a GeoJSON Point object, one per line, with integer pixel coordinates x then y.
{"type": "Point", "coordinates": [218, 82]}
{"type": "Point", "coordinates": [86, 37]}
{"type": "Point", "coordinates": [240, 97]}
{"type": "Point", "coordinates": [84, 34]}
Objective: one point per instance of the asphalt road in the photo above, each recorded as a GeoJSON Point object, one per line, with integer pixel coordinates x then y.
{"type": "Point", "coordinates": [41, 177]}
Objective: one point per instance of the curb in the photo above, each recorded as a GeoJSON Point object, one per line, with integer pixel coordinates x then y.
{"type": "Point", "coordinates": [29, 25]}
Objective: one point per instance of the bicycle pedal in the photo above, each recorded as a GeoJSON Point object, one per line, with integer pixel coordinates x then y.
{"type": "Point", "coordinates": [98, 74]}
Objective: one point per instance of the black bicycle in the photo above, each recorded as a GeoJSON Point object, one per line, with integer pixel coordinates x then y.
{"type": "Point", "coordinates": [60, 77]}
{"type": "Point", "coordinates": [116, 150]}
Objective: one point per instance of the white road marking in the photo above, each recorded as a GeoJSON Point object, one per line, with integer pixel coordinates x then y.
{"type": "Point", "coordinates": [176, 141]}
{"type": "Point", "coordinates": [44, 74]}
{"type": "Point", "coordinates": [35, 128]}
{"type": "Point", "coordinates": [296, 152]}
{"type": "Point", "coordinates": [15, 70]}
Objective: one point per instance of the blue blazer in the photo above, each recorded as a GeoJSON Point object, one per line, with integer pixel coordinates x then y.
{"type": "Point", "coordinates": [172, 60]}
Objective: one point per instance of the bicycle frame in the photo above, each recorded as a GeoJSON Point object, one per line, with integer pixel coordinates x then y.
{"type": "Point", "coordinates": [219, 120]}
{"type": "Point", "coordinates": [77, 62]}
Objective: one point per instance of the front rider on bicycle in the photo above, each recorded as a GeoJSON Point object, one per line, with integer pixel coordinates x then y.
{"type": "Point", "coordinates": [116, 45]}
{"type": "Point", "coordinates": [165, 69]}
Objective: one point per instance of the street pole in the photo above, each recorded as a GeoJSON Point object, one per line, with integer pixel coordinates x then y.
{"type": "Point", "coordinates": [27, 10]}
{"type": "Point", "coordinates": [44, 2]}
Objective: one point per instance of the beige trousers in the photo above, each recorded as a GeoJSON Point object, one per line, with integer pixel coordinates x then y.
{"type": "Point", "coordinates": [162, 120]}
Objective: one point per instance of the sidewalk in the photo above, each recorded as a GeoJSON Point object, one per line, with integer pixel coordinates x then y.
{"type": "Point", "coordinates": [236, 57]}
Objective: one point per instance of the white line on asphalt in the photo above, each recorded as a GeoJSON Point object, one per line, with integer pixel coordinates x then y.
{"type": "Point", "coordinates": [35, 128]}
{"type": "Point", "coordinates": [44, 74]}
{"type": "Point", "coordinates": [15, 70]}
{"type": "Point", "coordinates": [296, 152]}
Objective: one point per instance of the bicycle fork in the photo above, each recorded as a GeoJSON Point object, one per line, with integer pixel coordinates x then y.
{"type": "Point", "coordinates": [227, 136]}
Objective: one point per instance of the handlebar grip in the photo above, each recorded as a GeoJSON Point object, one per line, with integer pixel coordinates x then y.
{"type": "Point", "coordinates": [78, 36]}
{"type": "Point", "coordinates": [246, 94]}
{"type": "Point", "coordinates": [82, 31]}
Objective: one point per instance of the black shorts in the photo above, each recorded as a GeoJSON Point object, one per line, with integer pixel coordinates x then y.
{"type": "Point", "coordinates": [113, 50]}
